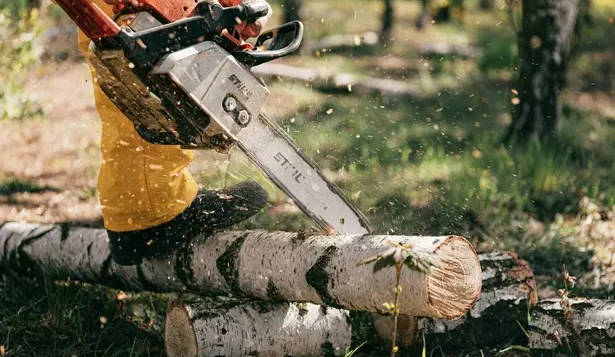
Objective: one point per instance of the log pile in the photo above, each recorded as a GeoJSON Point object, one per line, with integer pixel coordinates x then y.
{"type": "Point", "coordinates": [268, 266]}
{"type": "Point", "coordinates": [266, 269]}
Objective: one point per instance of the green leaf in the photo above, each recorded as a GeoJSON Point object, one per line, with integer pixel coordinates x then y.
{"type": "Point", "coordinates": [350, 353]}
{"type": "Point", "coordinates": [384, 262]}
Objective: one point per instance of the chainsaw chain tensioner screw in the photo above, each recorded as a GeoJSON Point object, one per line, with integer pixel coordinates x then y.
{"type": "Point", "coordinates": [243, 118]}
{"type": "Point", "coordinates": [230, 104]}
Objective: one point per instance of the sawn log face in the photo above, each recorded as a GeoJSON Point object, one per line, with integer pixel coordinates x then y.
{"type": "Point", "coordinates": [508, 292]}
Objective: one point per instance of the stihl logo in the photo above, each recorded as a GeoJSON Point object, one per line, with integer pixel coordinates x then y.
{"type": "Point", "coordinates": [279, 157]}
{"type": "Point", "coordinates": [239, 84]}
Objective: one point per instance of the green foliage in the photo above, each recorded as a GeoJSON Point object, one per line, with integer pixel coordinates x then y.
{"type": "Point", "coordinates": [498, 52]}
{"type": "Point", "coordinates": [16, 185]}
{"type": "Point", "coordinates": [18, 53]}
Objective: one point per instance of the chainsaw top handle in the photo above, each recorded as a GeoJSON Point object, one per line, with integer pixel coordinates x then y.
{"type": "Point", "coordinates": [145, 48]}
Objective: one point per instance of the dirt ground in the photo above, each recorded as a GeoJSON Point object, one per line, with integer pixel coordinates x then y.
{"type": "Point", "coordinates": [59, 153]}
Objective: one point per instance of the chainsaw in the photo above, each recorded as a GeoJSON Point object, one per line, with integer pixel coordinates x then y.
{"type": "Point", "coordinates": [180, 72]}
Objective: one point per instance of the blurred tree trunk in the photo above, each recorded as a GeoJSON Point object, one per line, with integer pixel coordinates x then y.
{"type": "Point", "coordinates": [486, 4]}
{"type": "Point", "coordinates": [545, 43]}
{"type": "Point", "coordinates": [387, 22]}
{"type": "Point", "coordinates": [425, 15]}
{"type": "Point", "coordinates": [292, 10]}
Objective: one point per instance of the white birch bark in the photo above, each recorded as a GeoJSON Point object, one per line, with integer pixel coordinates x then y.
{"type": "Point", "coordinates": [257, 329]}
{"type": "Point", "coordinates": [588, 330]}
{"type": "Point", "coordinates": [275, 266]}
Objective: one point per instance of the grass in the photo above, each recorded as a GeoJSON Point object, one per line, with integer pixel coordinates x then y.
{"type": "Point", "coordinates": [47, 318]}
{"type": "Point", "coordinates": [9, 186]}
{"type": "Point", "coordinates": [432, 165]}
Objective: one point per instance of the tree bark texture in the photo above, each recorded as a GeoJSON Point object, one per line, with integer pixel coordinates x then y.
{"type": "Point", "coordinates": [425, 15]}
{"type": "Point", "coordinates": [545, 42]}
{"type": "Point", "coordinates": [585, 328]}
{"type": "Point", "coordinates": [264, 265]}
{"type": "Point", "coordinates": [256, 329]}
{"type": "Point", "coordinates": [508, 292]}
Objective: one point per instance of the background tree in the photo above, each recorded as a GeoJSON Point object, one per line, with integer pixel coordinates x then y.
{"type": "Point", "coordinates": [293, 10]}
{"type": "Point", "coordinates": [425, 15]}
{"type": "Point", "coordinates": [545, 43]}
{"type": "Point", "coordinates": [387, 21]}
{"type": "Point", "coordinates": [486, 4]}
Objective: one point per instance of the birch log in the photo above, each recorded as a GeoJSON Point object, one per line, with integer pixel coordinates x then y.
{"type": "Point", "coordinates": [276, 266]}
{"type": "Point", "coordinates": [508, 292]}
{"type": "Point", "coordinates": [344, 82]}
{"type": "Point", "coordinates": [257, 329]}
{"type": "Point", "coordinates": [336, 41]}
{"type": "Point", "coordinates": [586, 329]}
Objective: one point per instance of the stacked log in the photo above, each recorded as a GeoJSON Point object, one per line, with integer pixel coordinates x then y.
{"type": "Point", "coordinates": [579, 327]}
{"type": "Point", "coordinates": [256, 329]}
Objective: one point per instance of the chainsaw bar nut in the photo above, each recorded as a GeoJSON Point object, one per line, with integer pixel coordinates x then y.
{"type": "Point", "coordinates": [243, 118]}
{"type": "Point", "coordinates": [230, 104]}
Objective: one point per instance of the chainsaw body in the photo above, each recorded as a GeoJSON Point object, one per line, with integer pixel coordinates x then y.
{"type": "Point", "coordinates": [187, 81]}
{"type": "Point", "coordinates": [170, 97]}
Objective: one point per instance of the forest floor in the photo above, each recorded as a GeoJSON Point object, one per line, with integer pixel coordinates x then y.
{"type": "Point", "coordinates": [428, 165]}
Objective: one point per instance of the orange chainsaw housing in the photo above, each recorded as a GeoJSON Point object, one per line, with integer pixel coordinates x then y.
{"type": "Point", "coordinates": [97, 25]}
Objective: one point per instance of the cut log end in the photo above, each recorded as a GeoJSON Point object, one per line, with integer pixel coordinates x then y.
{"type": "Point", "coordinates": [455, 284]}
{"type": "Point", "coordinates": [179, 335]}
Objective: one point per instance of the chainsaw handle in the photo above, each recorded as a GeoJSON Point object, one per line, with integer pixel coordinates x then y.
{"type": "Point", "coordinates": [285, 40]}
{"type": "Point", "coordinates": [232, 16]}
{"type": "Point", "coordinates": [90, 18]}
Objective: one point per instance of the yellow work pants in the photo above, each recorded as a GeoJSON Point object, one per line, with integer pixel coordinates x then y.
{"type": "Point", "coordinates": [140, 185]}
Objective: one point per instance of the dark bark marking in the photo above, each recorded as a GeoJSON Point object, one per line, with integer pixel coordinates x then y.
{"type": "Point", "coordinates": [227, 265]}
{"type": "Point", "coordinates": [183, 267]}
{"type": "Point", "coordinates": [65, 230]}
{"type": "Point", "coordinates": [273, 293]}
{"type": "Point", "coordinates": [327, 349]}
{"type": "Point", "coordinates": [19, 259]}
{"type": "Point", "coordinates": [299, 238]}
{"type": "Point", "coordinates": [89, 248]}
{"type": "Point", "coordinates": [6, 255]}
{"type": "Point", "coordinates": [105, 270]}
{"type": "Point", "coordinates": [318, 277]}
